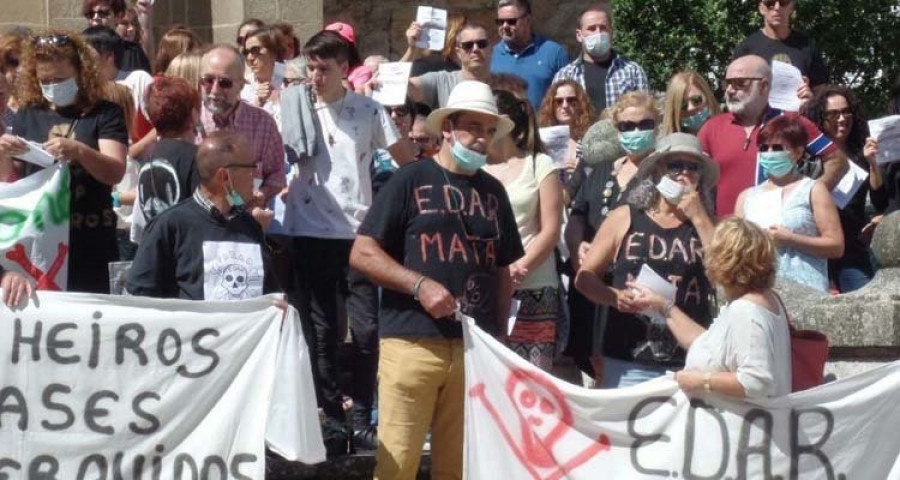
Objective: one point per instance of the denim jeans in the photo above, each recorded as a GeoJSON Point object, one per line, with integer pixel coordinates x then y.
{"type": "Point", "coordinates": [619, 373]}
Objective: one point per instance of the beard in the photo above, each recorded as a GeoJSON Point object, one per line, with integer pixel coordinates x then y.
{"type": "Point", "coordinates": [743, 105]}
{"type": "Point", "coordinates": [217, 105]}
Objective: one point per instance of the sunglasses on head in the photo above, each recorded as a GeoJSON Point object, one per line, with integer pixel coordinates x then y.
{"type": "Point", "coordinates": [678, 166]}
{"type": "Point", "coordinates": [224, 83]}
{"type": "Point", "coordinates": [629, 126]}
{"type": "Point", "coordinates": [52, 41]}
{"type": "Point", "coordinates": [255, 50]}
{"type": "Point", "coordinates": [771, 147]}
{"type": "Point", "coordinates": [560, 101]}
{"type": "Point", "coordinates": [469, 45]}
{"type": "Point", "coordinates": [100, 13]}
{"type": "Point", "coordinates": [692, 101]}
{"type": "Point", "coordinates": [508, 21]}
{"type": "Point", "coordinates": [771, 3]}
{"type": "Point", "coordinates": [833, 115]}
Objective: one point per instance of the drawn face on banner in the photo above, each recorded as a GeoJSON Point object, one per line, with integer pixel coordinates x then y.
{"type": "Point", "coordinates": [544, 413]}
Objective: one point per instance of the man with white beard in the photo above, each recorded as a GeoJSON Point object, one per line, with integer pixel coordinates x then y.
{"type": "Point", "coordinates": [730, 138]}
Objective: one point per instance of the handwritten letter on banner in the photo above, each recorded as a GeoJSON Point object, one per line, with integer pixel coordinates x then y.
{"type": "Point", "coordinates": [103, 387]}
{"type": "Point", "coordinates": [523, 424]}
{"type": "Point", "coordinates": [34, 227]}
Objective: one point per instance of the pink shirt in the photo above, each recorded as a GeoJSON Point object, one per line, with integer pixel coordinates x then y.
{"type": "Point", "coordinates": [261, 131]}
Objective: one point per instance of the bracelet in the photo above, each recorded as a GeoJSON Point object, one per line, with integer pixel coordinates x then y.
{"type": "Point", "coordinates": [707, 382]}
{"type": "Point", "coordinates": [417, 286]}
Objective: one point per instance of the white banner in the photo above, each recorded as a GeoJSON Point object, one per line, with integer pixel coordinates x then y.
{"type": "Point", "coordinates": [103, 387]}
{"type": "Point", "coordinates": [34, 227]}
{"type": "Point", "coordinates": [522, 423]}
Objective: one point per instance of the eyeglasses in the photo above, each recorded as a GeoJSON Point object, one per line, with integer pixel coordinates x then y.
{"type": "Point", "coordinates": [692, 101]}
{"type": "Point", "coordinates": [739, 83]}
{"type": "Point", "coordinates": [560, 101]}
{"type": "Point", "coordinates": [629, 126]}
{"type": "Point", "coordinates": [509, 21]}
{"type": "Point", "coordinates": [400, 111]}
{"type": "Point", "coordinates": [678, 166]}
{"type": "Point", "coordinates": [52, 41]}
{"type": "Point", "coordinates": [100, 12]}
{"type": "Point", "coordinates": [771, 3]}
{"type": "Point", "coordinates": [832, 115]}
{"type": "Point", "coordinates": [771, 148]}
{"type": "Point", "coordinates": [469, 45]}
{"type": "Point", "coordinates": [224, 83]}
{"type": "Point", "coordinates": [255, 50]}
{"type": "Point", "coordinates": [426, 140]}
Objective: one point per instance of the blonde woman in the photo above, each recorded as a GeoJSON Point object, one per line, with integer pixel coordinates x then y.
{"type": "Point", "coordinates": [689, 104]}
{"type": "Point", "coordinates": [746, 352]}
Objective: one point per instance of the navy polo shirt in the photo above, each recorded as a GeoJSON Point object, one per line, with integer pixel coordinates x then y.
{"type": "Point", "coordinates": [536, 64]}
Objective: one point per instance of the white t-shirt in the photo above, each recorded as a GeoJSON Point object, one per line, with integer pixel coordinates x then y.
{"type": "Point", "coordinates": [524, 197]}
{"type": "Point", "coordinates": [750, 341]}
{"type": "Point", "coordinates": [137, 81]}
{"type": "Point", "coordinates": [333, 190]}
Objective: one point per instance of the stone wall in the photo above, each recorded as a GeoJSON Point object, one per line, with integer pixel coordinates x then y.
{"type": "Point", "coordinates": [383, 23]}
{"type": "Point", "coordinates": [214, 20]}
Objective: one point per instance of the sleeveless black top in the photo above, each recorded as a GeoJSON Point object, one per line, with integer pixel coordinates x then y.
{"type": "Point", "coordinates": [675, 254]}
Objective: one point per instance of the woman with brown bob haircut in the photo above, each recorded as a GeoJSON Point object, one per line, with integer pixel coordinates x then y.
{"type": "Point", "coordinates": [63, 108]}
{"type": "Point", "coordinates": [746, 352]}
{"type": "Point", "coordinates": [175, 42]}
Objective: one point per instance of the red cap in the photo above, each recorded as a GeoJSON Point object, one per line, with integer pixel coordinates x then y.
{"type": "Point", "coordinates": [343, 30]}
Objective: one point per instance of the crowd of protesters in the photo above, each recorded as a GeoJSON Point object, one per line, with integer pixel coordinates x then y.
{"type": "Point", "coordinates": [380, 223]}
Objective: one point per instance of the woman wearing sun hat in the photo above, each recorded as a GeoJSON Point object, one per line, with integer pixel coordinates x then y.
{"type": "Point", "coordinates": [665, 225]}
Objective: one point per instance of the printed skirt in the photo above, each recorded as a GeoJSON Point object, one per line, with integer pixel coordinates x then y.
{"type": "Point", "coordinates": [534, 334]}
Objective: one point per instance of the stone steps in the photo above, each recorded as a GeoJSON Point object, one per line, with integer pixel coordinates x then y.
{"type": "Point", "coordinates": [352, 467]}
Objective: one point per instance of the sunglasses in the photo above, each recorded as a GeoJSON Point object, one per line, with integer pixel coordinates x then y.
{"type": "Point", "coordinates": [560, 101]}
{"type": "Point", "coordinates": [739, 83]}
{"type": "Point", "coordinates": [512, 22]}
{"type": "Point", "coordinates": [771, 3]}
{"type": "Point", "coordinates": [832, 115]}
{"type": "Point", "coordinates": [678, 166]}
{"type": "Point", "coordinates": [692, 101]}
{"type": "Point", "coordinates": [224, 83]}
{"type": "Point", "coordinates": [400, 111]}
{"type": "Point", "coordinates": [771, 148]}
{"type": "Point", "coordinates": [52, 41]}
{"type": "Point", "coordinates": [469, 45]}
{"type": "Point", "coordinates": [629, 126]}
{"type": "Point", "coordinates": [101, 13]}
{"type": "Point", "coordinates": [256, 51]}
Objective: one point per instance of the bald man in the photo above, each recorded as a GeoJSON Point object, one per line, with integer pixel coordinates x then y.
{"type": "Point", "coordinates": [730, 137]}
{"type": "Point", "coordinates": [221, 80]}
{"type": "Point", "coordinates": [208, 247]}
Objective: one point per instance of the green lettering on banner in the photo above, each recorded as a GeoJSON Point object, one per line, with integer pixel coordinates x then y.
{"type": "Point", "coordinates": [54, 204]}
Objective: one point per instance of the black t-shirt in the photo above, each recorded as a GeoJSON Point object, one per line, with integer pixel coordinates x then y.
{"type": "Point", "coordinates": [134, 58]}
{"type": "Point", "coordinates": [92, 222]}
{"type": "Point", "coordinates": [599, 194]}
{"type": "Point", "coordinates": [167, 178]}
{"type": "Point", "coordinates": [170, 261]}
{"type": "Point", "coordinates": [799, 48]}
{"type": "Point", "coordinates": [457, 234]}
{"type": "Point", "coordinates": [676, 254]}
{"type": "Point", "coordinates": [595, 81]}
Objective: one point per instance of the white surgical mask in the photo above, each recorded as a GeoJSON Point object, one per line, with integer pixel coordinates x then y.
{"type": "Point", "coordinates": [62, 94]}
{"type": "Point", "coordinates": [598, 44]}
{"type": "Point", "coordinates": [671, 190]}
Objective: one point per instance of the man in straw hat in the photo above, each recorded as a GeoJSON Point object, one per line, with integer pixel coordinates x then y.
{"type": "Point", "coordinates": [438, 239]}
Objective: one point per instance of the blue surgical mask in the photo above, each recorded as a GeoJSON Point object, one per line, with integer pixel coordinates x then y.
{"type": "Point", "coordinates": [638, 141]}
{"type": "Point", "coordinates": [695, 121]}
{"type": "Point", "coordinates": [233, 197]}
{"type": "Point", "coordinates": [61, 94]}
{"type": "Point", "coordinates": [597, 45]}
{"type": "Point", "coordinates": [467, 159]}
{"type": "Point", "coordinates": [776, 164]}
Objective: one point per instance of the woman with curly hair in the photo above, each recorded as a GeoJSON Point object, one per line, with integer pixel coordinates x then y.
{"type": "Point", "coordinates": [746, 352]}
{"type": "Point", "coordinates": [689, 104]}
{"type": "Point", "coordinates": [566, 103]}
{"type": "Point", "coordinates": [63, 108]}
{"type": "Point", "coordinates": [835, 110]}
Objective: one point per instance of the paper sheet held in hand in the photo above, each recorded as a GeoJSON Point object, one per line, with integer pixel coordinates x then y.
{"type": "Point", "coordinates": [786, 79]}
{"type": "Point", "coordinates": [394, 80]}
{"type": "Point", "coordinates": [36, 154]}
{"type": "Point", "coordinates": [434, 27]}
{"type": "Point", "coordinates": [653, 281]}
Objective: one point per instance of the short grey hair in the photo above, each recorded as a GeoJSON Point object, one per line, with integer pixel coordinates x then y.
{"type": "Point", "coordinates": [520, 4]}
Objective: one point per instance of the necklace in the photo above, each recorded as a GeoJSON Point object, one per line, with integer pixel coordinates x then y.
{"type": "Point", "coordinates": [334, 120]}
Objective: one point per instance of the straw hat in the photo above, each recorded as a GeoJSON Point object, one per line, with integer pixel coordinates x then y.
{"type": "Point", "coordinates": [681, 144]}
{"type": "Point", "coordinates": [469, 96]}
